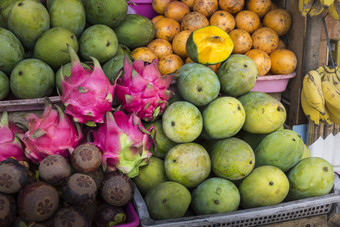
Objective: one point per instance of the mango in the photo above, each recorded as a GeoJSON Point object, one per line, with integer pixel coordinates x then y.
{"type": "Point", "coordinates": [237, 75]}
{"type": "Point", "coordinates": [51, 47]}
{"type": "Point", "coordinates": [28, 20]}
{"type": "Point", "coordinates": [32, 78]}
{"type": "Point", "coordinates": [162, 144]}
{"type": "Point", "coordinates": [215, 195]}
{"type": "Point", "coordinates": [232, 158]}
{"type": "Point", "coordinates": [265, 186]}
{"type": "Point", "coordinates": [150, 175]}
{"type": "Point", "coordinates": [112, 67]}
{"type": "Point", "coordinates": [188, 164]}
{"type": "Point", "coordinates": [11, 52]}
{"type": "Point", "coordinates": [311, 177]}
{"type": "Point", "coordinates": [182, 122]}
{"type": "Point", "coordinates": [108, 12]}
{"type": "Point", "coordinates": [168, 200]}
{"type": "Point", "coordinates": [4, 85]}
{"type": "Point", "coordinates": [98, 41]}
{"type": "Point", "coordinates": [264, 113]}
{"type": "Point", "coordinates": [283, 149]}
{"type": "Point", "coordinates": [198, 84]}
{"type": "Point", "coordinates": [223, 117]}
{"type": "Point", "coordinates": [69, 14]}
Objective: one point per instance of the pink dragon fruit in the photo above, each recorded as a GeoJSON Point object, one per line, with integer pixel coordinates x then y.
{"type": "Point", "coordinates": [125, 143]}
{"type": "Point", "coordinates": [52, 133]}
{"type": "Point", "coordinates": [86, 94]}
{"type": "Point", "coordinates": [10, 146]}
{"type": "Point", "coordinates": [143, 90]}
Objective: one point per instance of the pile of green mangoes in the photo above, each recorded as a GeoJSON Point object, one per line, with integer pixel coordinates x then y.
{"type": "Point", "coordinates": [34, 36]}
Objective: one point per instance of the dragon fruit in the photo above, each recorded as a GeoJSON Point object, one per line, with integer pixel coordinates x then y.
{"type": "Point", "coordinates": [52, 133]}
{"type": "Point", "coordinates": [143, 90]}
{"type": "Point", "coordinates": [124, 142]}
{"type": "Point", "coordinates": [86, 94]}
{"type": "Point", "coordinates": [10, 146]}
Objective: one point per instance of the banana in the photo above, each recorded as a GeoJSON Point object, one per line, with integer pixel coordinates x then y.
{"type": "Point", "coordinates": [316, 9]}
{"type": "Point", "coordinates": [334, 116]}
{"type": "Point", "coordinates": [305, 6]}
{"type": "Point", "coordinates": [332, 96]}
{"type": "Point", "coordinates": [334, 10]}
{"type": "Point", "coordinates": [327, 3]}
{"type": "Point", "coordinates": [321, 70]}
{"type": "Point", "coordinates": [309, 111]}
{"type": "Point", "coordinates": [325, 118]}
{"type": "Point", "coordinates": [336, 81]}
{"type": "Point", "coordinates": [313, 91]}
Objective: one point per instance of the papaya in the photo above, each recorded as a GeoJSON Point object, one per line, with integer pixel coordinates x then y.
{"type": "Point", "coordinates": [135, 31]}
{"type": "Point", "coordinates": [209, 45]}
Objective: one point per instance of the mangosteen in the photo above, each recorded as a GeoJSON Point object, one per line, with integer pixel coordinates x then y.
{"type": "Point", "coordinates": [37, 201]}
{"type": "Point", "coordinates": [13, 176]}
{"type": "Point", "coordinates": [117, 189]}
{"type": "Point", "coordinates": [90, 210]}
{"type": "Point", "coordinates": [54, 169]}
{"type": "Point", "coordinates": [86, 158]}
{"type": "Point", "coordinates": [69, 216]}
{"type": "Point", "coordinates": [79, 189]}
{"type": "Point", "coordinates": [108, 215]}
{"type": "Point", "coordinates": [97, 176]}
{"type": "Point", "coordinates": [8, 209]}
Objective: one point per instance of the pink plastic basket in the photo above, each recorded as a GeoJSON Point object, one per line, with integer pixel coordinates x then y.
{"type": "Point", "coordinates": [132, 218]}
{"type": "Point", "coordinates": [272, 83]}
{"type": "Point", "coordinates": [143, 7]}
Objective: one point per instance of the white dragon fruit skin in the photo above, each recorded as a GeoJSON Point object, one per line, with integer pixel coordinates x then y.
{"type": "Point", "coordinates": [143, 90]}
{"type": "Point", "coordinates": [124, 142]}
{"type": "Point", "coordinates": [10, 146]}
{"type": "Point", "coordinates": [86, 94]}
{"type": "Point", "coordinates": [52, 133]}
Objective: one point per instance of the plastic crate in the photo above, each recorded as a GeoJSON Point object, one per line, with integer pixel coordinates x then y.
{"type": "Point", "coordinates": [143, 7]}
{"type": "Point", "coordinates": [132, 219]}
{"type": "Point", "coordinates": [248, 217]}
{"type": "Point", "coordinates": [272, 83]}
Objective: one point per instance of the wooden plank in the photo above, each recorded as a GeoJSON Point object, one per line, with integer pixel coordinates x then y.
{"type": "Point", "coordinates": [296, 39]}
{"type": "Point", "coordinates": [316, 221]}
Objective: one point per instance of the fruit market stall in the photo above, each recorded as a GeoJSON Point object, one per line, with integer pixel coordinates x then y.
{"type": "Point", "coordinates": [160, 113]}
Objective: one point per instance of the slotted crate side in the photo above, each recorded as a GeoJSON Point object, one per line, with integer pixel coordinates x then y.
{"type": "Point", "coordinates": [246, 218]}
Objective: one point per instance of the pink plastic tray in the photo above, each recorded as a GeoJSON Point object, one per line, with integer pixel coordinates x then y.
{"type": "Point", "coordinates": [272, 83]}
{"type": "Point", "coordinates": [142, 7]}
{"type": "Point", "coordinates": [132, 218]}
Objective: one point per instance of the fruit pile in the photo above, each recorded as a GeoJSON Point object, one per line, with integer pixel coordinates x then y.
{"type": "Point", "coordinates": [254, 27]}
{"type": "Point", "coordinates": [216, 145]}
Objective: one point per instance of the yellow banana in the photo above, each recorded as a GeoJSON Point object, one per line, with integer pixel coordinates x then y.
{"type": "Point", "coordinates": [314, 96]}
{"type": "Point", "coordinates": [325, 118]}
{"type": "Point", "coordinates": [332, 96]}
{"type": "Point", "coordinates": [336, 81]}
{"type": "Point", "coordinates": [320, 70]}
{"type": "Point", "coordinates": [334, 116]}
{"type": "Point", "coordinates": [334, 10]}
{"type": "Point", "coordinates": [316, 9]}
{"type": "Point", "coordinates": [309, 111]}
{"type": "Point", "coordinates": [305, 6]}
{"type": "Point", "coordinates": [327, 3]}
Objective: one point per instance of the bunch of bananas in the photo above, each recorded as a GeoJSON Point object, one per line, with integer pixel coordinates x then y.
{"type": "Point", "coordinates": [316, 7]}
{"type": "Point", "coordinates": [320, 95]}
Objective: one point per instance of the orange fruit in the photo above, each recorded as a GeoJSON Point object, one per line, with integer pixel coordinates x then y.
{"type": "Point", "coordinates": [242, 41]}
{"type": "Point", "coordinates": [179, 43]}
{"type": "Point", "coordinates": [160, 47]}
{"type": "Point", "coordinates": [247, 20]}
{"type": "Point", "coordinates": [283, 61]}
{"type": "Point", "coordinates": [170, 64]}
{"type": "Point", "coordinates": [223, 19]}
{"type": "Point", "coordinates": [261, 59]}
{"type": "Point", "coordinates": [265, 39]}
{"type": "Point", "coordinates": [144, 54]}
{"type": "Point", "coordinates": [167, 28]}
{"type": "Point", "coordinates": [176, 10]}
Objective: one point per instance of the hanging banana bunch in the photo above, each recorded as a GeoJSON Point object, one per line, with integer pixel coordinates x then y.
{"type": "Point", "coordinates": [320, 95]}
{"type": "Point", "coordinates": [316, 7]}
